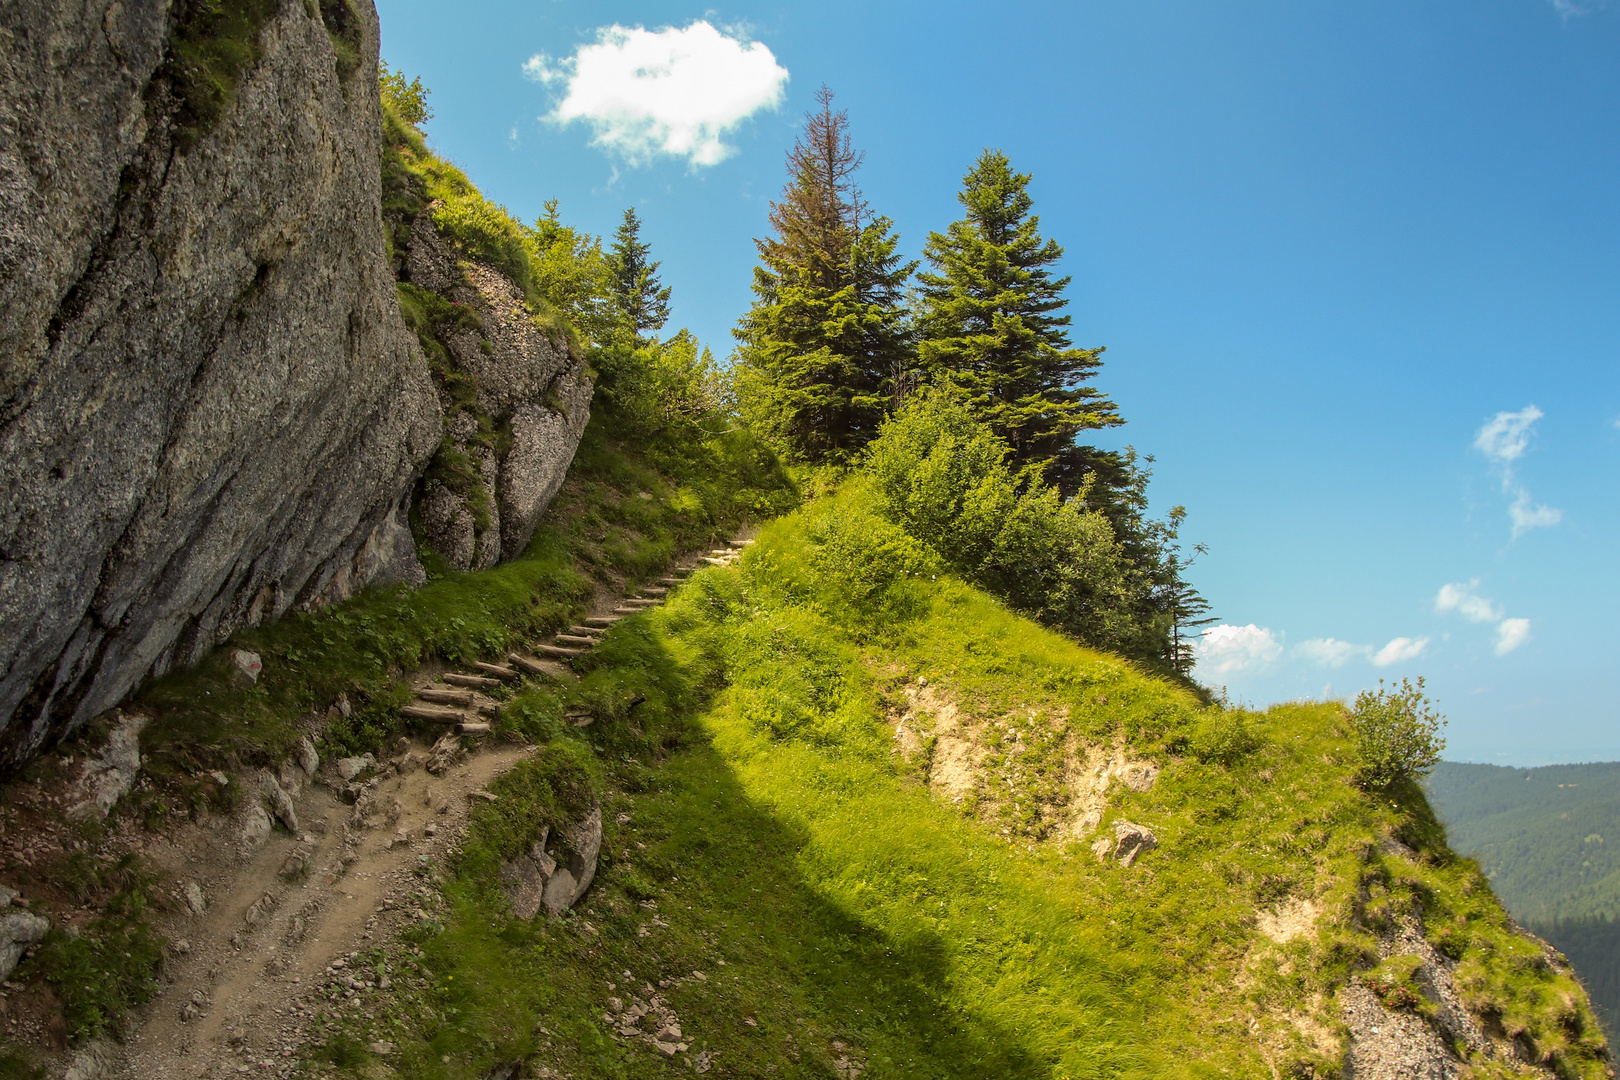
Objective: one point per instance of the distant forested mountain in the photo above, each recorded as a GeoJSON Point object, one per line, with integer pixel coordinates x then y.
{"type": "Point", "coordinates": [1549, 838]}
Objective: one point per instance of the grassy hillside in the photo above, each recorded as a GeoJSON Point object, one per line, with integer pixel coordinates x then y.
{"type": "Point", "coordinates": [851, 828]}
{"type": "Point", "coordinates": [1549, 839]}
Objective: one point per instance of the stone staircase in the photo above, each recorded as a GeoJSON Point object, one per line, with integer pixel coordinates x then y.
{"type": "Point", "coordinates": [456, 700]}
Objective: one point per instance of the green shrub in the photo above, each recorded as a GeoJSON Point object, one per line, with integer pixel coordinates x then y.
{"type": "Point", "coordinates": [943, 476]}
{"type": "Point", "coordinates": [1224, 738]}
{"type": "Point", "coordinates": [1397, 734]}
{"type": "Point", "coordinates": [407, 99]}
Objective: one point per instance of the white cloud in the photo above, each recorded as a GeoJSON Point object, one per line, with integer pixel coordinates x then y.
{"type": "Point", "coordinates": [1330, 652]}
{"type": "Point", "coordinates": [1399, 649]}
{"type": "Point", "coordinates": [1505, 438]}
{"type": "Point", "coordinates": [1527, 515]}
{"type": "Point", "coordinates": [1229, 648]}
{"type": "Point", "coordinates": [1464, 600]}
{"type": "Point", "coordinates": [1510, 634]}
{"type": "Point", "coordinates": [669, 91]}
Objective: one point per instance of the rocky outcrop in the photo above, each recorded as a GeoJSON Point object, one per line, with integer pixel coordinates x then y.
{"type": "Point", "coordinates": [210, 410]}
{"type": "Point", "coordinates": [539, 879]}
{"type": "Point", "coordinates": [517, 439]}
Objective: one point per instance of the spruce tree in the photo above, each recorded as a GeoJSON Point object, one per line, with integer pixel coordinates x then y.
{"type": "Point", "coordinates": [642, 304]}
{"type": "Point", "coordinates": [991, 323]}
{"type": "Point", "coordinates": [827, 325]}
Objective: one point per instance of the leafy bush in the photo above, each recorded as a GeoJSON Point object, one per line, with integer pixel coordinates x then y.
{"type": "Point", "coordinates": [943, 475]}
{"type": "Point", "coordinates": [672, 385]}
{"type": "Point", "coordinates": [1224, 738]}
{"type": "Point", "coordinates": [1397, 734]}
{"type": "Point", "coordinates": [407, 99]}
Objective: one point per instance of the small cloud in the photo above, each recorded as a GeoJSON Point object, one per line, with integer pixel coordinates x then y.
{"type": "Point", "coordinates": [1527, 515]}
{"type": "Point", "coordinates": [1229, 648]}
{"type": "Point", "coordinates": [1330, 652]}
{"type": "Point", "coordinates": [1401, 648]}
{"type": "Point", "coordinates": [1510, 634]}
{"type": "Point", "coordinates": [1504, 439]}
{"type": "Point", "coordinates": [1466, 602]}
{"type": "Point", "coordinates": [1506, 436]}
{"type": "Point", "coordinates": [672, 91]}
{"type": "Point", "coordinates": [1571, 9]}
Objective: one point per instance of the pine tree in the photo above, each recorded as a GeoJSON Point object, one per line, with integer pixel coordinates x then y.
{"type": "Point", "coordinates": [827, 323]}
{"type": "Point", "coordinates": [990, 322]}
{"type": "Point", "coordinates": [642, 304]}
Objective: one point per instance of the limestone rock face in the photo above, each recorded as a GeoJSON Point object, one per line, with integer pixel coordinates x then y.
{"type": "Point", "coordinates": [530, 386]}
{"type": "Point", "coordinates": [211, 411]}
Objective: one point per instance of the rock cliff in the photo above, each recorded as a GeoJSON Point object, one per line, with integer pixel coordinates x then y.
{"type": "Point", "coordinates": [515, 433]}
{"type": "Point", "coordinates": [211, 411]}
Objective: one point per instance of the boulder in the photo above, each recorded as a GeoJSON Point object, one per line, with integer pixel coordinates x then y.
{"type": "Point", "coordinates": [350, 767]}
{"type": "Point", "coordinates": [537, 879]}
{"type": "Point", "coordinates": [308, 759]}
{"type": "Point", "coordinates": [279, 802]}
{"type": "Point", "coordinates": [245, 667]}
{"type": "Point", "coordinates": [107, 776]}
{"type": "Point", "coordinates": [18, 931]}
{"type": "Point", "coordinates": [1130, 840]}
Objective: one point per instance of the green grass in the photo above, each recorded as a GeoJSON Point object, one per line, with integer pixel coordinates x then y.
{"type": "Point", "coordinates": [797, 862]}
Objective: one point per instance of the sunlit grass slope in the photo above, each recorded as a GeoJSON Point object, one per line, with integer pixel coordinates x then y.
{"type": "Point", "coordinates": [804, 899]}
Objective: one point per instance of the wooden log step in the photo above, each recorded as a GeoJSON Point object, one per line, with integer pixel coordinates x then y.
{"type": "Point", "coordinates": [670, 582]}
{"type": "Point", "coordinates": [623, 611]}
{"type": "Point", "coordinates": [559, 651]}
{"type": "Point", "coordinates": [596, 631]}
{"type": "Point", "coordinates": [682, 571]}
{"type": "Point", "coordinates": [576, 640]}
{"type": "Point", "coordinates": [726, 552]}
{"type": "Point", "coordinates": [639, 602]}
{"type": "Point", "coordinates": [717, 562]}
{"type": "Point", "coordinates": [654, 590]}
{"type": "Point", "coordinates": [739, 544]}
{"type": "Point", "coordinates": [603, 621]}
{"type": "Point", "coordinates": [472, 727]}
{"type": "Point", "coordinates": [528, 663]}
{"type": "Point", "coordinates": [463, 698]}
{"type": "Point", "coordinates": [477, 682]}
{"type": "Point", "coordinates": [505, 674]}
{"type": "Point", "coordinates": [436, 714]}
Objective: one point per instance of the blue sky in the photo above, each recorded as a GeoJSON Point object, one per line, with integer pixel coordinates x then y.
{"type": "Point", "coordinates": [1357, 267]}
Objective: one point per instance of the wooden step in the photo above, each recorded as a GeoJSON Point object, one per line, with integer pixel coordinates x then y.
{"type": "Point", "coordinates": [717, 562]}
{"type": "Point", "coordinates": [529, 663]}
{"type": "Point", "coordinates": [682, 571]}
{"type": "Point", "coordinates": [624, 611]}
{"type": "Point", "coordinates": [603, 621]}
{"type": "Point", "coordinates": [598, 631]}
{"type": "Point", "coordinates": [559, 651]}
{"type": "Point", "coordinates": [464, 698]}
{"type": "Point", "coordinates": [670, 582]}
{"type": "Point", "coordinates": [576, 640]}
{"type": "Point", "coordinates": [436, 714]}
{"type": "Point", "coordinates": [505, 674]}
{"type": "Point", "coordinates": [472, 727]}
{"type": "Point", "coordinates": [725, 552]}
{"type": "Point", "coordinates": [639, 602]}
{"type": "Point", "coordinates": [477, 682]}
{"type": "Point", "coordinates": [739, 544]}
{"type": "Point", "coordinates": [654, 590]}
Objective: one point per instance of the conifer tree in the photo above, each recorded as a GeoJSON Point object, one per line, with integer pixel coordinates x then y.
{"type": "Point", "coordinates": [827, 323]}
{"type": "Point", "coordinates": [643, 305]}
{"type": "Point", "coordinates": [991, 322]}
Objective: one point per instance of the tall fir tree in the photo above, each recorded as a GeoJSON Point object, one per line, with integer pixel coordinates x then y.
{"type": "Point", "coordinates": [643, 305]}
{"type": "Point", "coordinates": [990, 321]}
{"type": "Point", "coordinates": [828, 324]}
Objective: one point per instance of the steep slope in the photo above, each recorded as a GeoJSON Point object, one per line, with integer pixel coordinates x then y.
{"type": "Point", "coordinates": [213, 413]}
{"type": "Point", "coordinates": [864, 820]}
